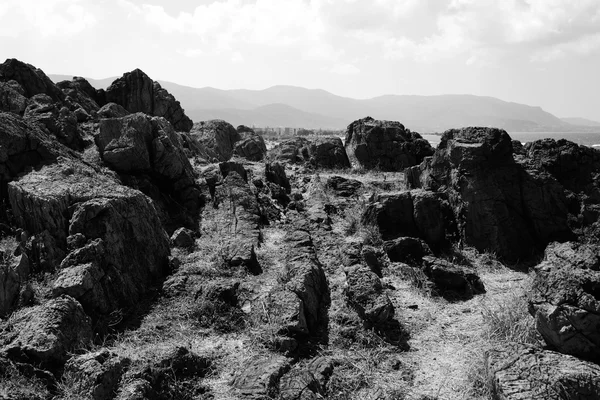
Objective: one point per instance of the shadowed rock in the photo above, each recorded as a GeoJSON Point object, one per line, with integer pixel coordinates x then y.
{"type": "Point", "coordinates": [522, 372]}
{"type": "Point", "coordinates": [322, 152]}
{"type": "Point", "coordinates": [32, 80]}
{"type": "Point", "coordinates": [213, 140]}
{"type": "Point", "coordinates": [136, 92]}
{"type": "Point", "coordinates": [251, 146]}
{"type": "Point", "coordinates": [12, 97]}
{"type": "Point", "coordinates": [565, 299]}
{"type": "Point", "coordinates": [386, 145]}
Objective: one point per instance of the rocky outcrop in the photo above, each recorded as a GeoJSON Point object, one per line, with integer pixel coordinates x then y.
{"type": "Point", "coordinates": [325, 152]}
{"type": "Point", "coordinates": [136, 92]}
{"type": "Point", "coordinates": [251, 146]}
{"type": "Point", "coordinates": [275, 173]}
{"type": "Point", "coordinates": [386, 145]}
{"type": "Point", "coordinates": [451, 280]}
{"type": "Point", "coordinates": [415, 213]}
{"type": "Point", "coordinates": [32, 80]}
{"type": "Point", "coordinates": [565, 299]}
{"type": "Point", "coordinates": [139, 144]}
{"type": "Point", "coordinates": [12, 97]}
{"type": "Point", "coordinates": [499, 205]}
{"type": "Point", "coordinates": [259, 378]}
{"type": "Point", "coordinates": [522, 372]}
{"type": "Point", "coordinates": [213, 140]}
{"type": "Point", "coordinates": [97, 373]}
{"type": "Point", "coordinates": [366, 295]}
{"type": "Point", "coordinates": [123, 248]}
{"type": "Point", "coordinates": [13, 273]}
{"type": "Point", "coordinates": [81, 94]}
{"type": "Point", "coordinates": [344, 187]}
{"type": "Point", "coordinates": [112, 110]}
{"type": "Point", "coordinates": [45, 334]}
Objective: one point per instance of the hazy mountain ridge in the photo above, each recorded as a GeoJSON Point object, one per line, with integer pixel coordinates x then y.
{"type": "Point", "coordinates": [316, 108]}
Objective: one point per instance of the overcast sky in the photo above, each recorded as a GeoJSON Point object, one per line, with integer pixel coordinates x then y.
{"type": "Point", "coordinates": [537, 52]}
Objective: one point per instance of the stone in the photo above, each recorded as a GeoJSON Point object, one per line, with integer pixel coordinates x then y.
{"type": "Point", "coordinates": [275, 173]}
{"type": "Point", "coordinates": [407, 250]}
{"type": "Point", "coordinates": [344, 187]}
{"type": "Point", "coordinates": [136, 92]}
{"type": "Point", "coordinates": [112, 110]}
{"type": "Point", "coordinates": [386, 145]}
{"type": "Point", "coordinates": [523, 372]}
{"type": "Point", "coordinates": [32, 80]}
{"type": "Point", "coordinates": [365, 293]}
{"type": "Point", "coordinates": [299, 384]}
{"type": "Point", "coordinates": [46, 333]}
{"type": "Point", "coordinates": [451, 280]}
{"type": "Point", "coordinates": [12, 97]}
{"type": "Point", "coordinates": [183, 237]}
{"type": "Point", "coordinates": [259, 377]}
{"type": "Point", "coordinates": [565, 299]}
{"type": "Point", "coordinates": [97, 373]}
{"type": "Point", "coordinates": [499, 205]}
{"type": "Point", "coordinates": [322, 152]}
{"type": "Point", "coordinates": [252, 146]}
{"type": "Point", "coordinates": [82, 95]}
{"type": "Point", "coordinates": [213, 140]}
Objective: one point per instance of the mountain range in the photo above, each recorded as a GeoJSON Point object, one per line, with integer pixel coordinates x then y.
{"type": "Point", "coordinates": [296, 107]}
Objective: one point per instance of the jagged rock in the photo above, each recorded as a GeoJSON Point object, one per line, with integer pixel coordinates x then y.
{"type": "Point", "coordinates": [275, 173]}
{"type": "Point", "coordinates": [136, 92]}
{"type": "Point", "coordinates": [326, 152]}
{"type": "Point", "coordinates": [407, 250]}
{"type": "Point", "coordinates": [82, 95]}
{"type": "Point", "coordinates": [413, 213]}
{"type": "Point", "coordinates": [213, 140]}
{"type": "Point", "coordinates": [112, 110]}
{"type": "Point", "coordinates": [12, 97]}
{"type": "Point", "coordinates": [299, 384]}
{"type": "Point", "coordinates": [44, 251]}
{"type": "Point", "coordinates": [386, 145]}
{"type": "Point", "coordinates": [366, 295]}
{"type": "Point", "coordinates": [97, 374]}
{"type": "Point", "coordinates": [260, 377]}
{"type": "Point", "coordinates": [229, 166]}
{"type": "Point", "coordinates": [47, 333]}
{"type": "Point", "coordinates": [451, 279]}
{"type": "Point", "coordinates": [183, 237]}
{"type": "Point", "coordinates": [373, 257]}
{"type": "Point", "coordinates": [23, 145]}
{"type": "Point", "coordinates": [32, 80]}
{"type": "Point", "coordinates": [522, 372]}
{"type": "Point", "coordinates": [499, 205]}
{"type": "Point", "coordinates": [139, 144]}
{"type": "Point", "coordinates": [13, 273]}
{"type": "Point", "coordinates": [565, 299]}
{"type": "Point", "coordinates": [126, 250]}
{"type": "Point", "coordinates": [56, 119]}
{"type": "Point", "coordinates": [251, 146]}
{"type": "Point", "coordinates": [344, 187]}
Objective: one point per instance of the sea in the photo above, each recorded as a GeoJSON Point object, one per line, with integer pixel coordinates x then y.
{"type": "Point", "coordinates": [591, 139]}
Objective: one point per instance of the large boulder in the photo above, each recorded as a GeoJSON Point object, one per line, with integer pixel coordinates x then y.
{"type": "Point", "coordinates": [32, 80]}
{"type": "Point", "coordinates": [139, 144]}
{"type": "Point", "coordinates": [112, 110]}
{"type": "Point", "coordinates": [365, 293]}
{"type": "Point", "coordinates": [499, 205]}
{"type": "Point", "coordinates": [123, 248]}
{"type": "Point", "coordinates": [80, 93]}
{"type": "Point", "coordinates": [12, 97]}
{"type": "Point", "coordinates": [323, 152]}
{"type": "Point", "coordinates": [251, 146]}
{"type": "Point", "coordinates": [213, 140]}
{"type": "Point", "coordinates": [386, 145]}
{"type": "Point", "coordinates": [136, 92]}
{"type": "Point", "coordinates": [565, 299]}
{"type": "Point", "coordinates": [47, 333]}
{"type": "Point", "coordinates": [521, 372]}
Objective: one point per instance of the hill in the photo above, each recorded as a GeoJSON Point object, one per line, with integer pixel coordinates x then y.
{"type": "Point", "coordinates": [581, 121]}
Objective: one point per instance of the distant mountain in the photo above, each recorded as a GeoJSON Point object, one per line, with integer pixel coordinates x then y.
{"type": "Point", "coordinates": [290, 106]}
{"type": "Point", "coordinates": [581, 121]}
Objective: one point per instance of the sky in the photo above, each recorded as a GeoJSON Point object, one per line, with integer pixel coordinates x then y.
{"type": "Point", "coordinates": [539, 52]}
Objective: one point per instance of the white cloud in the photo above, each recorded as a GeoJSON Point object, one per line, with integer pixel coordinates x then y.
{"type": "Point", "coordinates": [48, 18]}
{"type": "Point", "coordinates": [191, 53]}
{"type": "Point", "coordinates": [344, 69]}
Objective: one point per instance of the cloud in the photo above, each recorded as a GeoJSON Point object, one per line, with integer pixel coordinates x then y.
{"type": "Point", "coordinates": [191, 53]}
{"type": "Point", "coordinates": [48, 18]}
{"type": "Point", "coordinates": [344, 69]}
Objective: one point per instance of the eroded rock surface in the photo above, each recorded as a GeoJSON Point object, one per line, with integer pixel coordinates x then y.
{"type": "Point", "coordinates": [213, 140]}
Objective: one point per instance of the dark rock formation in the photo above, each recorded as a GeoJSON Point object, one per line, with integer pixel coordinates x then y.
{"type": "Point", "coordinates": [136, 92]}
{"type": "Point", "coordinates": [565, 299]}
{"type": "Point", "coordinates": [82, 95]}
{"type": "Point", "coordinates": [213, 140]}
{"type": "Point", "coordinates": [12, 97]}
{"type": "Point", "coordinates": [522, 372]}
{"type": "Point", "coordinates": [97, 373]}
{"type": "Point", "coordinates": [344, 187]}
{"type": "Point", "coordinates": [112, 110]}
{"type": "Point", "coordinates": [126, 248]}
{"type": "Point", "coordinates": [138, 144]}
{"type": "Point", "coordinates": [413, 213]}
{"type": "Point", "coordinates": [451, 280]}
{"type": "Point", "coordinates": [13, 273]}
{"type": "Point", "coordinates": [183, 237]}
{"type": "Point", "coordinates": [259, 378]}
{"type": "Point", "coordinates": [407, 250]}
{"type": "Point", "coordinates": [275, 173]}
{"type": "Point", "coordinates": [386, 145]}
{"type": "Point", "coordinates": [47, 333]}
{"type": "Point", "coordinates": [499, 204]}
{"type": "Point", "coordinates": [251, 146]}
{"type": "Point", "coordinates": [366, 295]}
{"type": "Point", "coordinates": [32, 80]}
{"type": "Point", "coordinates": [326, 152]}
